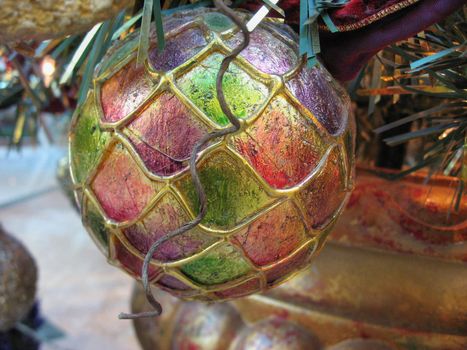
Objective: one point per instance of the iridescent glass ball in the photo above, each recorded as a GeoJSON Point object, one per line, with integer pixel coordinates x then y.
{"type": "Point", "coordinates": [274, 188]}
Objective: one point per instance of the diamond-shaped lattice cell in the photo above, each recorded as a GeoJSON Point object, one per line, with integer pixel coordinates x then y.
{"type": "Point", "coordinates": [273, 235]}
{"type": "Point", "coordinates": [233, 194]}
{"type": "Point", "coordinates": [289, 265]}
{"type": "Point", "coordinates": [319, 93]}
{"type": "Point", "coordinates": [87, 140]}
{"type": "Point", "coordinates": [121, 187]}
{"type": "Point", "coordinates": [164, 135]}
{"type": "Point", "coordinates": [170, 283]}
{"type": "Point", "coordinates": [243, 289]}
{"type": "Point", "coordinates": [218, 22]}
{"type": "Point", "coordinates": [266, 52]}
{"type": "Point", "coordinates": [282, 145]}
{"type": "Point", "coordinates": [243, 94]}
{"type": "Point", "coordinates": [118, 52]}
{"type": "Point", "coordinates": [178, 49]}
{"type": "Point", "coordinates": [324, 194]}
{"type": "Point", "coordinates": [96, 224]}
{"type": "Point", "coordinates": [125, 91]}
{"type": "Point", "coordinates": [166, 216]}
{"type": "Point", "coordinates": [172, 23]}
{"type": "Point", "coordinates": [132, 263]}
{"type": "Point", "coordinates": [281, 29]}
{"type": "Point", "coordinates": [222, 264]}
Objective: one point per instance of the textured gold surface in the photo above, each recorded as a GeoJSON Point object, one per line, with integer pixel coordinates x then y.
{"type": "Point", "coordinates": [46, 19]}
{"type": "Point", "coordinates": [18, 276]}
{"type": "Point", "coordinates": [403, 294]}
{"type": "Point", "coordinates": [410, 217]}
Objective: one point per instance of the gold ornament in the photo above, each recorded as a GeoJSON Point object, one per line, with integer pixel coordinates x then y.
{"type": "Point", "coordinates": [47, 19]}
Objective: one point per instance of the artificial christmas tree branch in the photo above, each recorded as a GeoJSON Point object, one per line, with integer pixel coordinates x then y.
{"type": "Point", "coordinates": [32, 95]}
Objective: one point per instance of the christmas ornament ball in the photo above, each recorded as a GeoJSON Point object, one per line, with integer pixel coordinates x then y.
{"type": "Point", "coordinates": [18, 276]}
{"type": "Point", "coordinates": [274, 188]}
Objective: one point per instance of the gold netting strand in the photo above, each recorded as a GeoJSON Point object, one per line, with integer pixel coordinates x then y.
{"type": "Point", "coordinates": [192, 164]}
